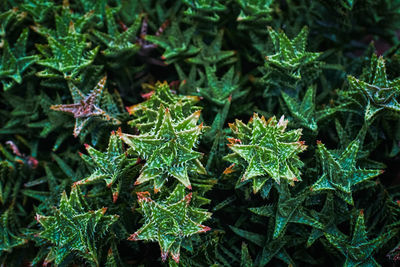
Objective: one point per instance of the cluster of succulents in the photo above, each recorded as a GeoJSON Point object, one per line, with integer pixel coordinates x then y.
{"type": "Point", "coordinates": [215, 133]}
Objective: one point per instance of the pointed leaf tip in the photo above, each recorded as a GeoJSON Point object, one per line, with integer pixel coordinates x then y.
{"type": "Point", "coordinates": [229, 169]}
{"type": "Point", "coordinates": [133, 237]}
{"type": "Point", "coordinates": [143, 196]}
{"type": "Point", "coordinates": [103, 210]}
{"type": "Point", "coordinates": [119, 132]}
{"type": "Point", "coordinates": [115, 197]}
{"type": "Point", "coordinates": [164, 255]}
{"type": "Point", "coordinates": [38, 217]}
{"type": "Point", "coordinates": [204, 229]}
{"type": "Point", "coordinates": [188, 198]}
{"type": "Point", "coordinates": [175, 257]}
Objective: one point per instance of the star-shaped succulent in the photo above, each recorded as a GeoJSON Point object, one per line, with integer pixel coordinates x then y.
{"type": "Point", "coordinates": [66, 55]}
{"type": "Point", "coordinates": [290, 60]}
{"type": "Point", "coordinates": [38, 9]}
{"type": "Point", "coordinates": [85, 107]}
{"type": "Point", "coordinates": [177, 44]}
{"type": "Point", "coordinates": [328, 217]}
{"type": "Point", "coordinates": [205, 5]}
{"type": "Point", "coordinates": [254, 12]}
{"type": "Point", "coordinates": [265, 150]}
{"type": "Point", "coordinates": [304, 113]}
{"type": "Point", "coordinates": [340, 172]}
{"type": "Point", "coordinates": [73, 229]}
{"type": "Point", "coordinates": [288, 210]}
{"type": "Point", "coordinates": [170, 221]}
{"type": "Point", "coordinates": [118, 43]}
{"type": "Point", "coordinates": [168, 149]}
{"type": "Point", "coordinates": [110, 166]}
{"type": "Point", "coordinates": [379, 93]}
{"type": "Point", "coordinates": [212, 54]}
{"type": "Point", "coordinates": [358, 249]}
{"type": "Point", "coordinates": [15, 61]}
{"type": "Point", "coordinates": [66, 22]}
{"type": "Point", "coordinates": [218, 91]}
{"type": "Point", "coordinates": [205, 10]}
{"type": "Point", "coordinates": [271, 248]}
{"type": "Point", "coordinates": [180, 106]}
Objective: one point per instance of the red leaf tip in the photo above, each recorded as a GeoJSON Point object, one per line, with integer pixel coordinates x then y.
{"type": "Point", "coordinates": [204, 229]}
{"type": "Point", "coordinates": [143, 196]}
{"type": "Point", "coordinates": [133, 237]}
{"type": "Point", "coordinates": [115, 197]}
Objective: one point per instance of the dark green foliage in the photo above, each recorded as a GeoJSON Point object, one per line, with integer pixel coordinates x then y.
{"type": "Point", "coordinates": [170, 221]}
{"type": "Point", "coordinates": [340, 173]}
{"type": "Point", "coordinates": [291, 63]}
{"type": "Point", "coordinates": [358, 249]}
{"type": "Point", "coordinates": [167, 149]}
{"type": "Point", "coordinates": [118, 43]}
{"type": "Point", "coordinates": [158, 92]}
{"type": "Point", "coordinates": [109, 167]}
{"type": "Point", "coordinates": [266, 151]}
{"type": "Point", "coordinates": [378, 92]}
{"type": "Point", "coordinates": [74, 229]}
{"type": "Point", "coordinates": [15, 61]}
{"type": "Point", "coordinates": [146, 112]}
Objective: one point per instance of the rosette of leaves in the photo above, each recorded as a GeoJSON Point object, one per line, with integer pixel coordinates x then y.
{"type": "Point", "coordinates": [377, 92]}
{"type": "Point", "coordinates": [111, 166]}
{"type": "Point", "coordinates": [65, 22]}
{"type": "Point", "coordinates": [254, 12]}
{"type": "Point", "coordinates": [291, 64]}
{"type": "Point", "coordinates": [221, 90]}
{"type": "Point", "coordinates": [177, 43]}
{"type": "Point", "coordinates": [169, 222]}
{"type": "Point", "coordinates": [15, 61]}
{"type": "Point", "coordinates": [358, 249]}
{"type": "Point", "coordinates": [289, 209]}
{"type": "Point", "coordinates": [340, 173]}
{"type": "Point", "coordinates": [304, 113]}
{"type": "Point", "coordinates": [39, 10]}
{"type": "Point", "coordinates": [86, 107]}
{"type": "Point", "coordinates": [66, 54]}
{"type": "Point", "coordinates": [204, 10]}
{"type": "Point", "coordinates": [73, 229]}
{"type": "Point", "coordinates": [146, 113]}
{"type": "Point", "coordinates": [265, 150]}
{"type": "Point", "coordinates": [10, 18]}
{"type": "Point", "coordinates": [211, 54]}
{"type": "Point", "coordinates": [118, 43]}
{"type": "Point", "coordinates": [168, 149]}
